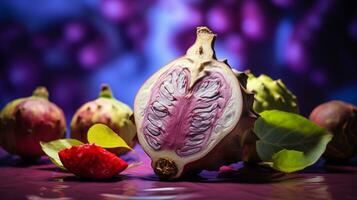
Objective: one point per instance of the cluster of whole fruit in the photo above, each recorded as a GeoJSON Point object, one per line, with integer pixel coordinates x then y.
{"type": "Point", "coordinates": [27, 121]}
{"type": "Point", "coordinates": [194, 113]}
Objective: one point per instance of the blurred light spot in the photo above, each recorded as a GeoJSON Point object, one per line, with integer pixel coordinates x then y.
{"type": "Point", "coordinates": [194, 16]}
{"type": "Point", "coordinates": [119, 75]}
{"type": "Point", "coordinates": [308, 26]}
{"type": "Point", "coordinates": [116, 10]}
{"type": "Point", "coordinates": [295, 56]}
{"type": "Point", "coordinates": [283, 33]}
{"type": "Point", "coordinates": [252, 20]}
{"type": "Point", "coordinates": [68, 93]}
{"type": "Point", "coordinates": [250, 27]}
{"type": "Point", "coordinates": [284, 3]}
{"type": "Point", "coordinates": [234, 50]}
{"type": "Point", "coordinates": [303, 33]}
{"type": "Point", "coordinates": [63, 87]}
{"type": "Point", "coordinates": [234, 42]}
{"type": "Point", "coordinates": [18, 75]}
{"type": "Point", "coordinates": [90, 55]}
{"type": "Point", "coordinates": [56, 57]}
{"type": "Point", "coordinates": [41, 42]}
{"type": "Point", "coordinates": [186, 15]}
{"type": "Point", "coordinates": [318, 77]}
{"type": "Point", "coordinates": [23, 73]}
{"type": "Point", "coordinates": [137, 32]}
{"type": "Point", "coordinates": [234, 58]}
{"type": "Point", "coordinates": [40, 13]}
{"type": "Point", "coordinates": [180, 14]}
{"type": "Point", "coordinates": [181, 32]}
{"type": "Point", "coordinates": [322, 6]}
{"type": "Point", "coordinates": [218, 19]}
{"type": "Point", "coordinates": [193, 2]}
{"type": "Point", "coordinates": [313, 21]}
{"type": "Point", "coordinates": [74, 32]}
{"type": "Point", "coordinates": [110, 33]}
{"type": "Point", "coordinates": [165, 19]}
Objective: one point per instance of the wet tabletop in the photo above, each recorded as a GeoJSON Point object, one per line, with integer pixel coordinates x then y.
{"type": "Point", "coordinates": [43, 181]}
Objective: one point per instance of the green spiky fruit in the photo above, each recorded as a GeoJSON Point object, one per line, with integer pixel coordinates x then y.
{"type": "Point", "coordinates": [105, 110]}
{"type": "Point", "coordinates": [271, 94]}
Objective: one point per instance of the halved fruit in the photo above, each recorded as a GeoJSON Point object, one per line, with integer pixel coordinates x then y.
{"type": "Point", "coordinates": [192, 113]}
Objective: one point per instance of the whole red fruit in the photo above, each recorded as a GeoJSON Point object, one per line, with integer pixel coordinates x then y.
{"type": "Point", "coordinates": [91, 161]}
{"type": "Point", "coordinates": [340, 118]}
{"type": "Point", "coordinates": [27, 121]}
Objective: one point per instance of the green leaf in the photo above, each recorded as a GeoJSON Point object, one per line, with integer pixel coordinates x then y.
{"type": "Point", "coordinates": [105, 137]}
{"type": "Point", "coordinates": [290, 141]}
{"type": "Point", "coordinates": [52, 148]}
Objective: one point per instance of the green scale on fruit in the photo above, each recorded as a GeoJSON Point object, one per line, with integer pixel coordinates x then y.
{"type": "Point", "coordinates": [271, 94]}
{"type": "Point", "coordinates": [105, 110]}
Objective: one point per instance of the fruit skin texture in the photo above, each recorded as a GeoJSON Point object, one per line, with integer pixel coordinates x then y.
{"type": "Point", "coordinates": [236, 116]}
{"type": "Point", "coordinates": [106, 110]}
{"type": "Point", "coordinates": [340, 118]}
{"type": "Point", "coordinates": [271, 94]}
{"type": "Point", "coordinates": [27, 121]}
{"type": "Point", "coordinates": [91, 161]}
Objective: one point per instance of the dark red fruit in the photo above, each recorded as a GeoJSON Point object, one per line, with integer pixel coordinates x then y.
{"type": "Point", "coordinates": [91, 161]}
{"type": "Point", "coordinates": [26, 121]}
{"type": "Point", "coordinates": [340, 118]}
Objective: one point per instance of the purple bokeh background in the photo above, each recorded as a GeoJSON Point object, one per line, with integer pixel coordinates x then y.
{"type": "Point", "coordinates": [73, 46]}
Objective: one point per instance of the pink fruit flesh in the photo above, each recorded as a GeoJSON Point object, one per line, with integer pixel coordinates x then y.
{"type": "Point", "coordinates": [193, 112]}
{"type": "Point", "coordinates": [181, 119]}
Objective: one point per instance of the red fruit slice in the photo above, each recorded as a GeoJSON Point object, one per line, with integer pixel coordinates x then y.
{"type": "Point", "coordinates": [91, 161]}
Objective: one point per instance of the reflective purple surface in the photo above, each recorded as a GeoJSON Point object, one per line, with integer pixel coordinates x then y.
{"type": "Point", "coordinates": [44, 180]}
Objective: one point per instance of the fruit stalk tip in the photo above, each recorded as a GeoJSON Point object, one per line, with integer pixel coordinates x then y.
{"type": "Point", "coordinates": [203, 46]}
{"type": "Point", "coordinates": [105, 91]}
{"type": "Point", "coordinates": [41, 91]}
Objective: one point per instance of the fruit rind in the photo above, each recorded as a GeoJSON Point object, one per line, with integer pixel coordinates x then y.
{"type": "Point", "coordinates": [25, 122]}
{"type": "Point", "coordinates": [340, 118]}
{"type": "Point", "coordinates": [271, 94]}
{"type": "Point", "coordinates": [106, 110]}
{"type": "Point", "coordinates": [200, 60]}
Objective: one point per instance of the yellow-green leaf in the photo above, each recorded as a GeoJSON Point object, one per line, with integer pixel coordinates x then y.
{"type": "Point", "coordinates": [289, 160]}
{"type": "Point", "coordinates": [52, 148]}
{"type": "Point", "coordinates": [105, 137]}
{"type": "Point", "coordinates": [289, 141]}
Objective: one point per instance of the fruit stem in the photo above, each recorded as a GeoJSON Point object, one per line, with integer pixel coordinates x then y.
{"type": "Point", "coordinates": [105, 91]}
{"type": "Point", "coordinates": [41, 92]}
{"type": "Point", "coordinates": [201, 53]}
{"type": "Point", "coordinates": [203, 46]}
{"type": "Point", "coordinates": [165, 168]}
